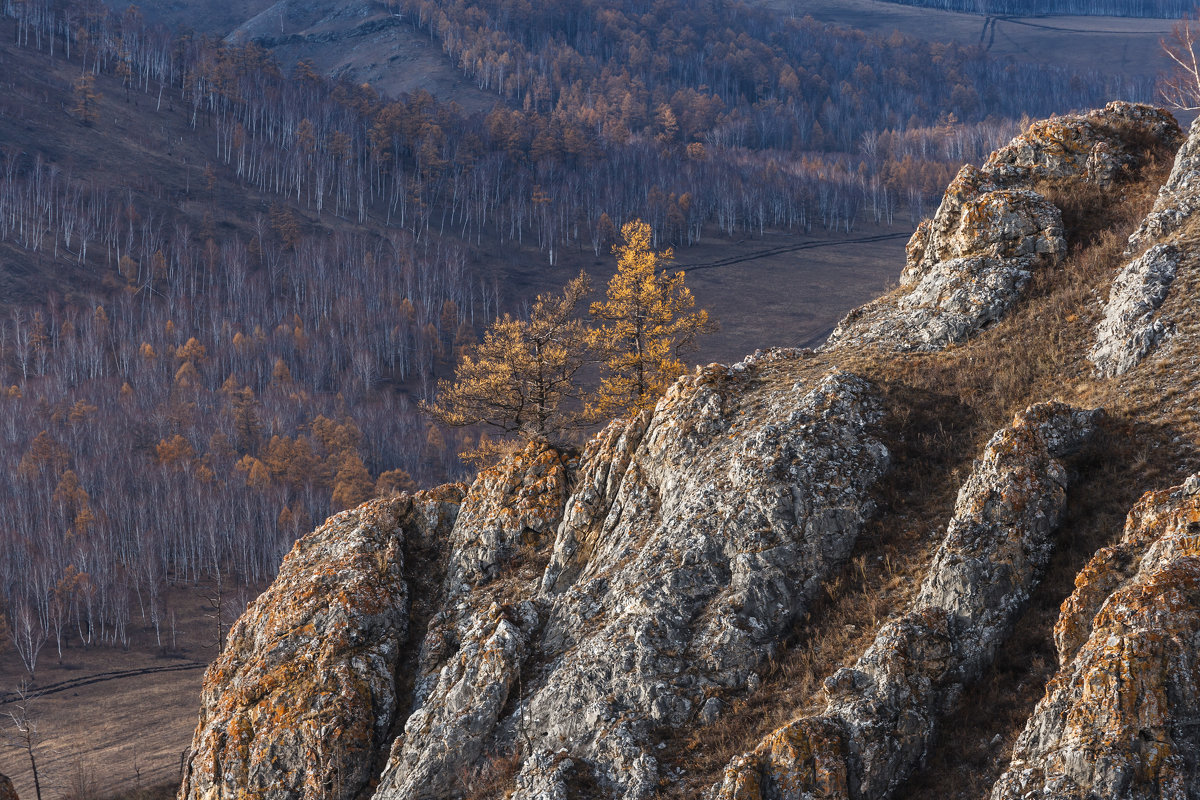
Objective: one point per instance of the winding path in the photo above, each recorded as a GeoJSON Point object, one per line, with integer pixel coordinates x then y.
{"type": "Point", "coordinates": [792, 248]}
{"type": "Point", "coordinates": [99, 677]}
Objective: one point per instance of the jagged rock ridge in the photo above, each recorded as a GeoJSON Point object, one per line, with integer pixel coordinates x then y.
{"type": "Point", "coordinates": [881, 714]}
{"type": "Point", "coordinates": [694, 540]}
{"type": "Point", "coordinates": [968, 265]}
{"type": "Point", "coordinates": [592, 607]}
{"type": "Point", "coordinates": [304, 693]}
{"type": "Point", "coordinates": [1132, 326]}
{"type": "Point", "coordinates": [471, 657]}
{"type": "Point", "coordinates": [1119, 718]}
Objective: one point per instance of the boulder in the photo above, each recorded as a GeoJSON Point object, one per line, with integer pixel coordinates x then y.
{"type": "Point", "coordinates": [305, 694]}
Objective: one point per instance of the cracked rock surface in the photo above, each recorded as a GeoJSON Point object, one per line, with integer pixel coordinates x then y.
{"type": "Point", "coordinates": [1131, 328]}
{"type": "Point", "coordinates": [470, 661]}
{"type": "Point", "coordinates": [880, 715]}
{"type": "Point", "coordinates": [304, 693]}
{"type": "Point", "coordinates": [968, 266]}
{"type": "Point", "coordinates": [1134, 324]}
{"type": "Point", "coordinates": [695, 536]}
{"type": "Point", "coordinates": [1119, 718]}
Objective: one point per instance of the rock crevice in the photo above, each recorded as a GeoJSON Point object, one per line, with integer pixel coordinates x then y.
{"type": "Point", "coordinates": [1119, 718]}
{"type": "Point", "coordinates": [304, 693]}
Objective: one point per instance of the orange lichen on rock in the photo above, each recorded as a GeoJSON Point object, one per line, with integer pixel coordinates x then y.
{"type": "Point", "coordinates": [968, 266]}
{"type": "Point", "coordinates": [1099, 147]}
{"type": "Point", "coordinates": [519, 498]}
{"type": "Point", "coordinates": [473, 649]}
{"type": "Point", "coordinates": [1118, 720]}
{"type": "Point", "coordinates": [304, 693]}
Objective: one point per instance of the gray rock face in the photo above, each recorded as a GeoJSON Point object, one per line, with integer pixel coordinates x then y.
{"type": "Point", "coordinates": [1130, 328]}
{"type": "Point", "coordinates": [1133, 326]}
{"type": "Point", "coordinates": [880, 715]}
{"type": "Point", "coordinates": [1119, 719]}
{"type": "Point", "coordinates": [7, 792]}
{"type": "Point", "coordinates": [507, 507]}
{"type": "Point", "coordinates": [968, 265]}
{"type": "Point", "coordinates": [1178, 200]}
{"type": "Point", "coordinates": [471, 658]}
{"type": "Point", "coordinates": [445, 737]}
{"type": "Point", "coordinates": [1098, 147]}
{"type": "Point", "coordinates": [966, 268]}
{"type": "Point", "coordinates": [695, 537]}
{"type": "Point", "coordinates": [544, 776]}
{"type": "Point", "coordinates": [304, 693]}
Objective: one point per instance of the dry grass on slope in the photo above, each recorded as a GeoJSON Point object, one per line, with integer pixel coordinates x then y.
{"type": "Point", "coordinates": [942, 408]}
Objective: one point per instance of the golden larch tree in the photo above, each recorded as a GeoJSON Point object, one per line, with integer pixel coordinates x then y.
{"type": "Point", "coordinates": [521, 377]}
{"type": "Point", "coordinates": [646, 321]}
{"type": "Point", "coordinates": [87, 99]}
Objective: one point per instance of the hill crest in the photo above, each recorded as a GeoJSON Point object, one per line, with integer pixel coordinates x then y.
{"type": "Point", "coordinates": [656, 616]}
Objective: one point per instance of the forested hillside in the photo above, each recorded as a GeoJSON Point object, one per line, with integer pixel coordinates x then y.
{"type": "Point", "coordinates": [225, 271]}
{"type": "Point", "coordinates": [1167, 9]}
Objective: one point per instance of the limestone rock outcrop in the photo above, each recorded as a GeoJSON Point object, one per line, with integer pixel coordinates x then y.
{"type": "Point", "coordinates": [1133, 324]}
{"type": "Point", "coordinates": [1119, 719]}
{"type": "Point", "coordinates": [304, 693]}
{"type": "Point", "coordinates": [1178, 200]}
{"type": "Point", "coordinates": [881, 714]}
{"type": "Point", "coordinates": [471, 658]}
{"type": "Point", "coordinates": [587, 618]}
{"type": "Point", "coordinates": [693, 538]}
{"type": "Point", "coordinates": [968, 265]}
{"type": "Point", "coordinates": [1099, 147]}
{"type": "Point", "coordinates": [1131, 328]}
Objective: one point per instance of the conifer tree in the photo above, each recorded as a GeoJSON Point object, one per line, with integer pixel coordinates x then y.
{"type": "Point", "coordinates": [86, 99]}
{"type": "Point", "coordinates": [521, 377]}
{"type": "Point", "coordinates": [647, 323]}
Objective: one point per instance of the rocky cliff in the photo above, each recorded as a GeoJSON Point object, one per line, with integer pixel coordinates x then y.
{"type": "Point", "coordinates": [793, 576]}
